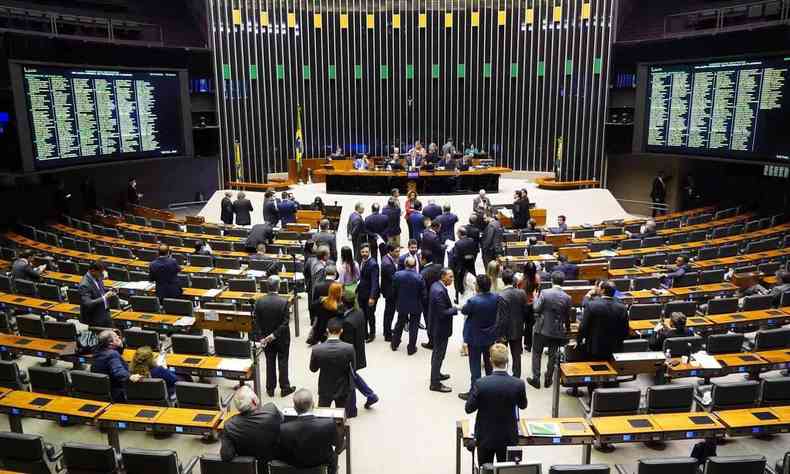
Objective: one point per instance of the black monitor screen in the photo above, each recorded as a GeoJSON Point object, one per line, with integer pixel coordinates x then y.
{"type": "Point", "coordinates": [734, 109]}
{"type": "Point", "coordinates": [79, 115]}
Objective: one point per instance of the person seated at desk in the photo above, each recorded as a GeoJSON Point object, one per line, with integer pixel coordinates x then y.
{"type": "Point", "coordinates": [782, 286]}
{"type": "Point", "coordinates": [433, 156]}
{"type": "Point", "coordinates": [749, 287]}
{"type": "Point", "coordinates": [22, 268]}
{"type": "Point", "coordinates": [416, 156]}
{"type": "Point", "coordinates": [532, 226]}
{"type": "Point", "coordinates": [337, 154]}
{"type": "Point", "coordinates": [448, 147]}
{"type": "Point", "coordinates": [448, 163]}
{"type": "Point", "coordinates": [254, 431]}
{"type": "Point", "coordinates": [318, 205]}
{"type": "Point", "coordinates": [310, 441]}
{"type": "Point", "coordinates": [260, 253]}
{"type": "Point", "coordinates": [471, 150]}
{"type": "Point", "coordinates": [561, 228]}
{"type": "Point", "coordinates": [674, 326]}
{"type": "Point", "coordinates": [570, 270]}
{"type": "Point", "coordinates": [361, 163]}
{"type": "Point", "coordinates": [681, 268]}
{"type": "Point", "coordinates": [465, 163]}
{"type": "Point", "coordinates": [647, 230]}
{"type": "Point", "coordinates": [146, 366]}
{"type": "Point", "coordinates": [202, 248]}
{"type": "Point", "coordinates": [108, 361]}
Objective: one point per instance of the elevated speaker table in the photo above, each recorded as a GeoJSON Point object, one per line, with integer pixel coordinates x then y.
{"type": "Point", "coordinates": [427, 182]}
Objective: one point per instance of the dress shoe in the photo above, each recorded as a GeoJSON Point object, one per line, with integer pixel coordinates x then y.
{"type": "Point", "coordinates": [534, 382]}
{"type": "Point", "coordinates": [421, 325]}
{"type": "Point", "coordinates": [463, 396]}
{"type": "Point", "coordinates": [387, 339]}
{"type": "Point", "coordinates": [372, 400]}
{"type": "Point", "coordinates": [427, 345]}
{"type": "Point", "coordinates": [440, 388]}
{"type": "Point", "coordinates": [270, 392]}
{"type": "Point", "coordinates": [547, 381]}
{"type": "Point", "coordinates": [370, 339]}
{"type": "Point", "coordinates": [393, 346]}
{"type": "Point", "coordinates": [444, 377]}
{"type": "Point", "coordinates": [284, 392]}
{"type": "Point", "coordinates": [411, 351]}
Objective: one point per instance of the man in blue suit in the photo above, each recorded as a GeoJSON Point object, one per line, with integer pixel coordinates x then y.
{"type": "Point", "coordinates": [368, 289]}
{"type": "Point", "coordinates": [164, 272]}
{"type": "Point", "coordinates": [389, 265]}
{"type": "Point", "coordinates": [270, 212]}
{"type": "Point", "coordinates": [496, 398]}
{"type": "Point", "coordinates": [447, 221]}
{"type": "Point", "coordinates": [409, 289]}
{"type": "Point", "coordinates": [376, 226]}
{"type": "Point", "coordinates": [416, 222]}
{"type": "Point", "coordinates": [441, 312]}
{"type": "Point", "coordinates": [480, 328]}
{"type": "Point", "coordinates": [287, 207]}
{"type": "Point", "coordinates": [107, 360]}
{"type": "Point", "coordinates": [431, 245]}
{"type": "Point", "coordinates": [413, 246]}
{"type": "Point", "coordinates": [432, 210]}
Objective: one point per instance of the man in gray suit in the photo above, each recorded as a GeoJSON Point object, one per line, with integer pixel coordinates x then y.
{"type": "Point", "coordinates": [511, 316]}
{"type": "Point", "coordinates": [334, 360]}
{"type": "Point", "coordinates": [481, 204]}
{"type": "Point", "coordinates": [325, 237]}
{"type": "Point", "coordinates": [552, 321]}
{"type": "Point", "coordinates": [95, 299]}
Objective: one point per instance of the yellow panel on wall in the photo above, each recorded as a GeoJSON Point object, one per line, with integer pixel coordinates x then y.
{"type": "Point", "coordinates": [237, 17]}
{"type": "Point", "coordinates": [264, 18]}
{"type": "Point", "coordinates": [530, 17]}
{"type": "Point", "coordinates": [557, 13]}
{"type": "Point", "coordinates": [448, 20]}
{"type": "Point", "coordinates": [422, 20]}
{"type": "Point", "coordinates": [291, 20]}
{"type": "Point", "coordinates": [396, 20]}
{"type": "Point", "coordinates": [371, 20]}
{"type": "Point", "coordinates": [501, 17]}
{"type": "Point", "coordinates": [585, 11]}
{"type": "Point", "coordinates": [344, 21]}
{"type": "Point", "coordinates": [475, 19]}
{"type": "Point", "coordinates": [318, 20]}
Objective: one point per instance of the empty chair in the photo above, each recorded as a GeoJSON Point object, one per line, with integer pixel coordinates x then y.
{"type": "Point", "coordinates": [734, 395]}
{"type": "Point", "coordinates": [118, 273]}
{"type": "Point", "coordinates": [49, 292]}
{"type": "Point", "coordinates": [726, 251]}
{"type": "Point", "coordinates": [205, 282]}
{"type": "Point", "coordinates": [722, 306]}
{"type": "Point", "coordinates": [636, 345]}
{"type": "Point", "coordinates": [145, 304]}
{"type": "Point", "coordinates": [754, 464]}
{"type": "Point", "coordinates": [540, 249]}
{"type": "Point", "coordinates": [67, 266]}
{"type": "Point", "coordinates": [51, 380]}
{"type": "Point", "coordinates": [622, 262]}
{"type": "Point", "coordinates": [6, 284]}
{"type": "Point", "coordinates": [147, 461]}
{"type": "Point", "coordinates": [103, 249]}
{"type": "Point", "coordinates": [10, 376]}
{"type": "Point", "coordinates": [667, 465]}
{"type": "Point", "coordinates": [645, 283]}
{"type": "Point", "coordinates": [708, 253]}
{"type": "Point", "coordinates": [134, 338]}
{"type": "Point", "coordinates": [188, 344]}
{"type": "Point", "coordinates": [579, 469]}
{"type": "Point", "coordinates": [675, 239]}
{"type": "Point", "coordinates": [26, 453]}
{"type": "Point", "coordinates": [68, 243]}
{"type": "Point", "coordinates": [30, 325]}
{"type": "Point", "coordinates": [89, 385]}
{"type": "Point", "coordinates": [654, 241]}
{"type": "Point", "coordinates": [575, 283]}
{"type": "Point", "coordinates": [84, 267]}
{"type": "Point", "coordinates": [221, 245]}
{"type": "Point", "coordinates": [622, 284]}
{"type": "Point", "coordinates": [752, 226]}
{"type": "Point", "coordinates": [724, 343]}
{"type": "Point", "coordinates": [25, 287]}
{"type": "Point", "coordinates": [769, 268]}
{"type": "Point", "coordinates": [688, 279]}
{"type": "Point", "coordinates": [60, 331]}
{"type": "Point", "coordinates": [122, 252]}
{"type": "Point", "coordinates": [213, 464]}
{"type": "Point", "coordinates": [81, 458]}
{"type": "Point", "coordinates": [699, 219]}
{"type": "Point", "coordinates": [709, 277]}
{"type": "Point", "coordinates": [584, 233]}
{"type": "Point", "coordinates": [599, 246]}
{"type": "Point", "coordinates": [263, 265]}
{"type": "Point", "coordinates": [200, 396]}
{"type": "Point", "coordinates": [227, 262]}
{"type": "Point", "coordinates": [613, 231]}
{"type": "Point", "coordinates": [755, 302]}
{"type": "Point", "coordinates": [180, 258]}
{"type": "Point", "coordinates": [8, 253]}
{"type": "Point", "coordinates": [615, 401]}
{"type": "Point", "coordinates": [720, 232]}
{"type": "Point", "coordinates": [775, 392]}
{"type": "Point", "coordinates": [201, 261]}
{"type": "Point", "coordinates": [140, 220]}
{"type": "Point", "coordinates": [745, 269]}
{"type": "Point", "coordinates": [671, 224]}
{"type": "Point", "coordinates": [654, 259]}
{"type": "Point", "coordinates": [149, 238]}
{"type": "Point", "coordinates": [147, 392]}
{"type": "Point", "coordinates": [689, 308]}
{"type": "Point", "coordinates": [772, 339]}
{"type": "Point", "coordinates": [195, 229]}
{"type": "Point", "coordinates": [73, 295]}
{"type": "Point", "coordinates": [147, 255]}
{"type": "Point", "coordinates": [131, 235]}
{"type": "Point", "coordinates": [680, 346]}
{"type": "Point", "coordinates": [630, 244]}
{"type": "Point", "coordinates": [170, 225]}
{"type": "Point", "coordinates": [639, 312]}
{"type": "Point", "coordinates": [232, 347]}
{"type": "Point", "coordinates": [177, 307]}
{"type": "Point", "coordinates": [248, 285]}
{"type": "Point", "coordinates": [157, 223]}
{"type": "Point", "coordinates": [83, 245]}
{"type": "Point", "coordinates": [698, 236]}
{"type": "Point", "coordinates": [509, 252]}
{"type": "Point", "coordinates": [672, 398]}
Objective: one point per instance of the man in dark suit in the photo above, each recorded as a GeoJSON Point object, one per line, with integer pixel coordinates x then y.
{"type": "Point", "coordinates": [108, 361]}
{"type": "Point", "coordinates": [132, 195]}
{"type": "Point", "coordinates": [480, 328]}
{"type": "Point", "coordinates": [287, 208]}
{"type": "Point", "coordinates": [376, 227]}
{"type": "Point", "coordinates": [447, 221]}
{"type": "Point", "coordinates": [270, 212]}
{"type": "Point", "coordinates": [368, 289]}
{"type": "Point", "coordinates": [22, 268]}
{"type": "Point", "coordinates": [431, 244]}
{"type": "Point", "coordinates": [553, 310]}
{"type": "Point", "coordinates": [496, 398]}
{"type": "Point", "coordinates": [389, 265]}
{"type": "Point", "coordinates": [392, 211]}
{"type": "Point", "coordinates": [409, 289]}
{"type": "Point", "coordinates": [335, 360]}
{"type": "Point", "coordinates": [326, 237]}
{"type": "Point", "coordinates": [441, 312]}
{"type": "Point", "coordinates": [511, 315]}
{"type": "Point", "coordinates": [242, 207]}
{"type": "Point", "coordinates": [462, 259]}
{"type": "Point", "coordinates": [226, 208]}
{"type": "Point", "coordinates": [658, 194]}
{"type": "Point", "coordinates": [520, 210]}
{"type": "Point", "coordinates": [681, 268]}
{"type": "Point", "coordinates": [416, 222]}
{"type": "Point", "coordinates": [432, 210]}
{"type": "Point", "coordinates": [491, 242]}
{"type": "Point", "coordinates": [431, 273]}
{"type": "Point", "coordinates": [413, 251]}
{"type": "Point", "coordinates": [354, 331]}
{"type": "Point", "coordinates": [782, 286]}
{"type": "Point", "coordinates": [272, 318]}
{"type": "Point", "coordinates": [259, 234]}
{"type": "Point", "coordinates": [604, 324]}
{"type": "Point", "coordinates": [310, 441]}
{"type": "Point", "coordinates": [95, 299]}
{"type": "Point", "coordinates": [647, 230]}
{"type": "Point", "coordinates": [568, 269]}
{"type": "Point", "coordinates": [164, 272]}
{"type": "Point", "coordinates": [254, 431]}
{"type": "Point", "coordinates": [355, 229]}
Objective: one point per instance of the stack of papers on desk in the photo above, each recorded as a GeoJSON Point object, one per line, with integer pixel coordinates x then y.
{"type": "Point", "coordinates": [638, 356]}
{"type": "Point", "coordinates": [539, 428]}
{"type": "Point", "coordinates": [206, 270]}
{"type": "Point", "coordinates": [706, 361]}
{"type": "Point", "coordinates": [136, 285]}
{"type": "Point", "coordinates": [256, 273]}
{"type": "Point", "coordinates": [608, 253]}
{"type": "Point", "coordinates": [212, 292]}
{"type": "Point", "coordinates": [185, 321]}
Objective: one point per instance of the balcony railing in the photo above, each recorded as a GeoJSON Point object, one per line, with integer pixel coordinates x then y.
{"type": "Point", "coordinates": [729, 18]}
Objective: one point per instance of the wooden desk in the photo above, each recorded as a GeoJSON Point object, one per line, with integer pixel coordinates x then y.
{"type": "Point", "coordinates": [751, 319]}
{"type": "Point", "coordinates": [4, 391]}
{"type": "Point", "coordinates": [120, 417]}
{"type": "Point", "coordinates": [18, 404]}
{"type": "Point", "coordinates": [37, 347]}
{"type": "Point", "coordinates": [633, 272]}
{"type": "Point", "coordinates": [551, 183]}
{"type": "Point", "coordinates": [655, 295]}
{"type": "Point", "coordinates": [188, 421]}
{"type": "Point", "coordinates": [626, 429]}
{"type": "Point", "coordinates": [742, 362]}
{"type": "Point", "coordinates": [778, 359]}
{"type": "Point", "coordinates": [346, 181]}
{"type": "Point", "coordinates": [646, 326]}
{"type": "Point", "coordinates": [27, 302]}
{"type": "Point", "coordinates": [223, 320]}
{"type": "Point", "coordinates": [710, 290]}
{"type": "Point", "coordinates": [204, 366]}
{"type": "Point", "coordinates": [155, 321]}
{"type": "Point", "coordinates": [753, 421]}
{"type": "Point", "coordinates": [580, 373]}
{"type": "Point", "coordinates": [74, 254]}
{"type": "Point", "coordinates": [577, 293]}
{"type": "Point", "coordinates": [689, 425]}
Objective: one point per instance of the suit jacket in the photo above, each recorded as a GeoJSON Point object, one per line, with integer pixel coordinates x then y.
{"type": "Point", "coordinates": [254, 434]}
{"type": "Point", "coordinates": [511, 312]}
{"type": "Point", "coordinates": [164, 272]}
{"type": "Point", "coordinates": [270, 212]}
{"type": "Point", "coordinates": [777, 292]}
{"type": "Point", "coordinates": [441, 311]}
{"type": "Point", "coordinates": [431, 246]}
{"type": "Point", "coordinates": [496, 399]}
{"type": "Point", "coordinates": [132, 196]}
{"type": "Point", "coordinates": [309, 441]}
{"type": "Point", "coordinates": [377, 223]}
{"type": "Point", "coordinates": [287, 210]}
{"type": "Point", "coordinates": [521, 213]}
{"type": "Point", "coordinates": [355, 331]}
{"type": "Point", "coordinates": [432, 210]}
{"type": "Point", "coordinates": [447, 222]}
{"type": "Point", "coordinates": [226, 211]}
{"type": "Point", "coordinates": [409, 289]}
{"type": "Point", "coordinates": [259, 234]}
{"type": "Point", "coordinates": [659, 191]}
{"type": "Point", "coordinates": [570, 270]}
{"type": "Point", "coordinates": [480, 325]}
{"type": "Point", "coordinates": [242, 209]}
{"type": "Point", "coordinates": [318, 275]}
{"type": "Point", "coordinates": [368, 286]}
{"type": "Point", "coordinates": [110, 363]}
{"type": "Point", "coordinates": [327, 238]}
{"type": "Point", "coordinates": [388, 269]}
{"type": "Point", "coordinates": [473, 232]}
{"type": "Point", "coordinates": [478, 201]}
{"type": "Point", "coordinates": [94, 310]}
{"type": "Point", "coordinates": [273, 317]}
{"type": "Point", "coordinates": [492, 237]}
{"type": "Point", "coordinates": [416, 224]}
{"type": "Point", "coordinates": [334, 359]}
{"type": "Point", "coordinates": [22, 269]}
{"type": "Point", "coordinates": [463, 249]}
{"type": "Point", "coordinates": [355, 226]}
{"type": "Point", "coordinates": [404, 256]}
{"type": "Point", "coordinates": [553, 309]}
{"type": "Point", "coordinates": [393, 220]}
{"type": "Point", "coordinates": [603, 327]}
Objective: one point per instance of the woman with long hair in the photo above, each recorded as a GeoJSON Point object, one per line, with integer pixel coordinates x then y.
{"type": "Point", "coordinates": [348, 271]}
{"type": "Point", "coordinates": [326, 308]}
{"type": "Point", "coordinates": [494, 270]}
{"type": "Point", "coordinates": [145, 365]}
{"type": "Point", "coordinates": [411, 198]}
{"type": "Point", "coordinates": [530, 283]}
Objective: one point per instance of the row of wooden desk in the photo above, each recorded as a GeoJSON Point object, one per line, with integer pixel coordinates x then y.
{"type": "Point", "coordinates": [642, 428]}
